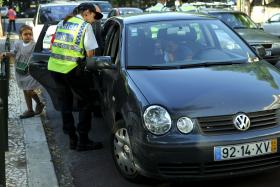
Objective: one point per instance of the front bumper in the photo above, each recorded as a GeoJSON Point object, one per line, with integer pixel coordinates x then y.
{"type": "Point", "coordinates": [195, 161]}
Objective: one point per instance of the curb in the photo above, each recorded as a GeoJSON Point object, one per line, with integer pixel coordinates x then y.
{"type": "Point", "coordinates": [40, 168]}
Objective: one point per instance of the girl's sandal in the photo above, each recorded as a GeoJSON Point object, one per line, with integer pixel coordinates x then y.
{"type": "Point", "coordinates": [27, 114]}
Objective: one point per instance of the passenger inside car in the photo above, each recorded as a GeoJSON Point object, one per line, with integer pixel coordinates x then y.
{"type": "Point", "coordinates": [175, 51]}
{"type": "Point", "coordinates": [176, 43]}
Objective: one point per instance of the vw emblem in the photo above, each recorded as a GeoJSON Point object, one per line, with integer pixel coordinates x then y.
{"type": "Point", "coordinates": [241, 122]}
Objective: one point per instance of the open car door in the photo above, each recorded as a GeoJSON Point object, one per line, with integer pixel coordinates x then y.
{"type": "Point", "coordinates": [38, 69]}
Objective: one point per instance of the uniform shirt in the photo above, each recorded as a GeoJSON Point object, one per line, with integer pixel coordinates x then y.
{"type": "Point", "coordinates": [90, 42]}
{"type": "Point", "coordinates": [158, 7]}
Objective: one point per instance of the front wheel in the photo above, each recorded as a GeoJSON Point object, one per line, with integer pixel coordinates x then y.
{"type": "Point", "coordinates": [122, 153]}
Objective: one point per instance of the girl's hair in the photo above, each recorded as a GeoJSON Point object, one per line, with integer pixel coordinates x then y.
{"type": "Point", "coordinates": [23, 28]}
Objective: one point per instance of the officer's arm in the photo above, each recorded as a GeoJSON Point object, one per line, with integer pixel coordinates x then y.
{"type": "Point", "coordinates": [90, 53]}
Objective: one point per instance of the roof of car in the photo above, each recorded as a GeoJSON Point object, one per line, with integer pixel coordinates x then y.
{"type": "Point", "coordinates": [147, 17]}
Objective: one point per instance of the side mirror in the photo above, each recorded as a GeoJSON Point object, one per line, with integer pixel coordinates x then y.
{"type": "Point", "coordinates": [99, 63]}
{"type": "Point", "coordinates": [260, 50]}
{"type": "Point", "coordinates": [268, 21]}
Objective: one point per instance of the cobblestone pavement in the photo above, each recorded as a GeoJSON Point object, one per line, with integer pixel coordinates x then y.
{"type": "Point", "coordinates": [15, 158]}
{"type": "Point", "coordinates": [16, 170]}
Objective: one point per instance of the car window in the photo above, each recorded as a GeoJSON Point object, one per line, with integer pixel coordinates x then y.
{"type": "Point", "coordinates": [111, 13]}
{"type": "Point", "coordinates": [275, 18]}
{"type": "Point", "coordinates": [183, 42]}
{"type": "Point", "coordinates": [108, 40]}
{"type": "Point", "coordinates": [226, 42]}
{"type": "Point", "coordinates": [130, 11]}
{"type": "Point", "coordinates": [115, 44]}
{"type": "Point", "coordinates": [54, 14]}
{"type": "Point", "coordinates": [236, 20]}
{"type": "Point", "coordinates": [48, 37]}
{"type": "Point", "coordinates": [105, 7]}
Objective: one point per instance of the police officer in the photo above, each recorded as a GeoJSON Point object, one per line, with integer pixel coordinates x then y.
{"type": "Point", "coordinates": [186, 7]}
{"type": "Point", "coordinates": [159, 7]}
{"type": "Point", "coordinates": [74, 40]}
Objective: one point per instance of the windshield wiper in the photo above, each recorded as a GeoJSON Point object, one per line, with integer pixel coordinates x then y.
{"type": "Point", "coordinates": [181, 66]}
{"type": "Point", "coordinates": [152, 67]}
{"type": "Point", "coordinates": [208, 64]}
{"type": "Point", "coordinates": [240, 27]}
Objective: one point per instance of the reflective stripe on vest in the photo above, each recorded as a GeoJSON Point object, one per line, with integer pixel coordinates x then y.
{"type": "Point", "coordinates": [65, 58]}
{"type": "Point", "coordinates": [68, 46]}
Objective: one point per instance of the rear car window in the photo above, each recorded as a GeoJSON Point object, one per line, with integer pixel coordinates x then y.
{"type": "Point", "coordinates": [105, 7]}
{"type": "Point", "coordinates": [54, 14]}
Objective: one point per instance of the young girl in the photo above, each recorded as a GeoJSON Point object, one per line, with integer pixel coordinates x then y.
{"type": "Point", "coordinates": [22, 52]}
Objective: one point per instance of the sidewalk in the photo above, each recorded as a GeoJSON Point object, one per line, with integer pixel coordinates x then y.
{"type": "Point", "coordinates": [28, 161]}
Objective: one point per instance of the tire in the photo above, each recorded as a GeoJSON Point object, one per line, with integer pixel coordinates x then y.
{"type": "Point", "coordinates": [122, 153]}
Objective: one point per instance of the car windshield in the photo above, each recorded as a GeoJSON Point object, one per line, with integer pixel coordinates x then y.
{"type": "Point", "coordinates": [236, 20]}
{"type": "Point", "coordinates": [190, 42]}
{"type": "Point", "coordinates": [54, 14]}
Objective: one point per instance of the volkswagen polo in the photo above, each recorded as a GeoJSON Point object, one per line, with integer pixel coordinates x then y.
{"type": "Point", "coordinates": [185, 97]}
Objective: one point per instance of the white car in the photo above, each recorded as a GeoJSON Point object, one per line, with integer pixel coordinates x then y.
{"type": "Point", "coordinates": [272, 25]}
{"type": "Point", "coordinates": [51, 13]}
{"type": "Point", "coordinates": [3, 11]}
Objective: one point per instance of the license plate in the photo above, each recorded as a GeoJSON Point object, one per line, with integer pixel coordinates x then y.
{"type": "Point", "coordinates": [230, 152]}
{"type": "Point", "coordinates": [267, 53]}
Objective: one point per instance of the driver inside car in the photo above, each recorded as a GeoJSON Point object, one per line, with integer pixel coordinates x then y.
{"type": "Point", "coordinates": [176, 52]}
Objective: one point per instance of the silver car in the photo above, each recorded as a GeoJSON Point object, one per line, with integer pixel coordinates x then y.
{"type": "Point", "coordinates": [272, 25]}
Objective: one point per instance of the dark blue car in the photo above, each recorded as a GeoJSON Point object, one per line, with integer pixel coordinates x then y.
{"type": "Point", "coordinates": [185, 98]}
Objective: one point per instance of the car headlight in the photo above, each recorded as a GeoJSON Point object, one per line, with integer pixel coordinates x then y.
{"type": "Point", "coordinates": [157, 120]}
{"type": "Point", "coordinates": [276, 45]}
{"type": "Point", "coordinates": [185, 125]}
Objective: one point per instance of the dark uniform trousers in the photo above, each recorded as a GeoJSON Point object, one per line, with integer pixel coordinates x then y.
{"type": "Point", "coordinates": [76, 96]}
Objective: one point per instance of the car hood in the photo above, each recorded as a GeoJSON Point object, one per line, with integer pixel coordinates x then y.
{"type": "Point", "coordinates": [210, 91]}
{"type": "Point", "coordinates": [253, 36]}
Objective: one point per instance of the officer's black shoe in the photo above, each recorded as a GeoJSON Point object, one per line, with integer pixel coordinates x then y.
{"type": "Point", "coordinates": [73, 141]}
{"type": "Point", "coordinates": [89, 145]}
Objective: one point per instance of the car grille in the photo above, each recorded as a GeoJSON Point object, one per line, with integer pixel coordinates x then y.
{"type": "Point", "coordinates": [224, 124]}
{"type": "Point", "coordinates": [221, 167]}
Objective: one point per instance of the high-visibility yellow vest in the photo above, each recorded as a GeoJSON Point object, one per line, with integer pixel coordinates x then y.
{"type": "Point", "coordinates": [68, 45]}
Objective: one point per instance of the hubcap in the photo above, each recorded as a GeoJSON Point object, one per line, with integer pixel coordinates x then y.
{"type": "Point", "coordinates": [122, 152]}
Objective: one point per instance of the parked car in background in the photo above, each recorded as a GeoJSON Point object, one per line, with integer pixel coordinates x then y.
{"type": "Point", "coordinates": [51, 13]}
{"type": "Point", "coordinates": [250, 31]}
{"type": "Point", "coordinates": [3, 10]}
{"type": "Point", "coordinates": [28, 13]}
{"type": "Point", "coordinates": [185, 97]}
{"type": "Point", "coordinates": [123, 11]}
{"type": "Point", "coordinates": [105, 7]}
{"type": "Point", "coordinates": [272, 25]}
